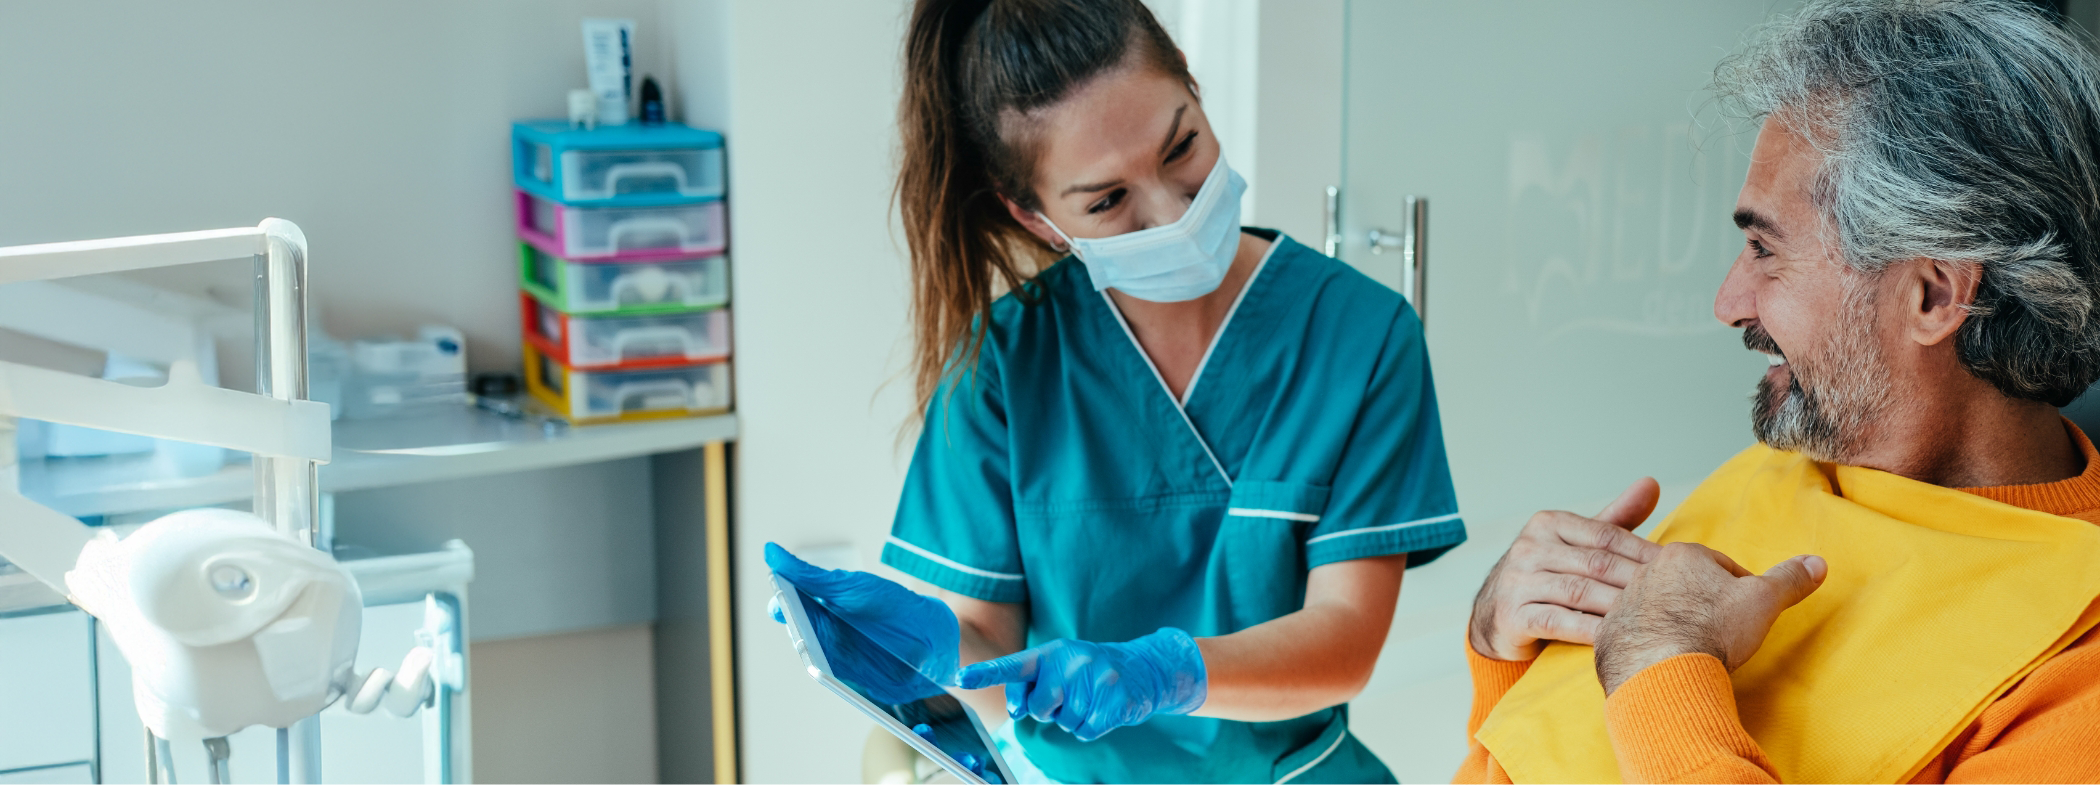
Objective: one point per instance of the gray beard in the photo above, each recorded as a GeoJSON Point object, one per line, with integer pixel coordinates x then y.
{"type": "Point", "coordinates": [1825, 412]}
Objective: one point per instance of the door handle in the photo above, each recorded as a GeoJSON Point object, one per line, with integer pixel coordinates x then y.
{"type": "Point", "coordinates": [1333, 222]}
{"type": "Point", "coordinates": [1413, 243]}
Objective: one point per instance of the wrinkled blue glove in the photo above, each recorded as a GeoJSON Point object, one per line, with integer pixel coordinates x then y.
{"type": "Point", "coordinates": [1090, 689]}
{"type": "Point", "coordinates": [917, 629]}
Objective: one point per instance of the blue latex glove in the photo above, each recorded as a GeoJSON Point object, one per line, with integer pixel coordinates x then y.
{"type": "Point", "coordinates": [968, 760]}
{"type": "Point", "coordinates": [1090, 689]}
{"type": "Point", "coordinates": [917, 629]}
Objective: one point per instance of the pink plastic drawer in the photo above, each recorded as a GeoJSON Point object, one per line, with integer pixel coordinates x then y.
{"type": "Point", "coordinates": [608, 233]}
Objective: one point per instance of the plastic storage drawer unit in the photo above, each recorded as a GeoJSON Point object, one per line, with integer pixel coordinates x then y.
{"type": "Point", "coordinates": [630, 165]}
{"type": "Point", "coordinates": [597, 342]}
{"type": "Point", "coordinates": [609, 396]}
{"type": "Point", "coordinates": [626, 288]}
{"type": "Point", "coordinates": [612, 233]}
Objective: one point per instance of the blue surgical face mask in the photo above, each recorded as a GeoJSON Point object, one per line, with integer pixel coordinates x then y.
{"type": "Point", "coordinates": [1180, 261]}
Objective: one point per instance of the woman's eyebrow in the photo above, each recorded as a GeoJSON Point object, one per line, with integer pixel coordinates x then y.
{"type": "Point", "coordinates": [1089, 188]}
{"type": "Point", "coordinates": [1173, 131]}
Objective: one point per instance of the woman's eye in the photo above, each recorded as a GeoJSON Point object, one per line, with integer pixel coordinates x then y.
{"type": "Point", "coordinates": [1183, 148]}
{"type": "Point", "coordinates": [1113, 198]}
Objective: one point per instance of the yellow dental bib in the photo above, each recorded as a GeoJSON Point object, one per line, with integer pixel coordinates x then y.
{"type": "Point", "coordinates": [1937, 602]}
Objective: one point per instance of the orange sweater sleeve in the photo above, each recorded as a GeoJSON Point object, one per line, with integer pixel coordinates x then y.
{"type": "Point", "coordinates": [1676, 721]}
{"type": "Point", "coordinates": [1492, 679]}
{"type": "Point", "coordinates": [2045, 730]}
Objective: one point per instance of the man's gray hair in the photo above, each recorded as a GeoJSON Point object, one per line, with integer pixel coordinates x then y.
{"type": "Point", "coordinates": [1966, 131]}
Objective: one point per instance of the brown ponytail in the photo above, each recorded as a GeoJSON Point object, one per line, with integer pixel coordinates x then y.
{"type": "Point", "coordinates": [973, 72]}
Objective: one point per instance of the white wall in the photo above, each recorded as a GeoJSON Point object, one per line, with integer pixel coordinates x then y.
{"type": "Point", "coordinates": [810, 88]}
{"type": "Point", "coordinates": [379, 126]}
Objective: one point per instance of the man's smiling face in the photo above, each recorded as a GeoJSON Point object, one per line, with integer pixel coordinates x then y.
{"type": "Point", "coordinates": [1797, 302]}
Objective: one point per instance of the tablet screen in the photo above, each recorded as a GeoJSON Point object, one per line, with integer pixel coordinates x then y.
{"type": "Point", "coordinates": [896, 688]}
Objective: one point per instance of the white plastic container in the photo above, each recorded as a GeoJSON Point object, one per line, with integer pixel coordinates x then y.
{"type": "Point", "coordinates": [392, 376]}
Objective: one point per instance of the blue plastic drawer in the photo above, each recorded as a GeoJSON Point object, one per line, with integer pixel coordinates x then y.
{"type": "Point", "coordinates": [625, 166]}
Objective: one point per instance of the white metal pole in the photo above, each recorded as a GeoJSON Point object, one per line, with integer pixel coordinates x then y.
{"type": "Point", "coordinates": [286, 488]}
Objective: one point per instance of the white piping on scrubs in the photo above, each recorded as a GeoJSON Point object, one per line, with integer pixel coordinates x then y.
{"type": "Point", "coordinates": [1387, 528]}
{"type": "Point", "coordinates": [1236, 300]}
{"type": "Point", "coordinates": [1179, 406]}
{"type": "Point", "coordinates": [1245, 512]}
{"type": "Point", "coordinates": [1316, 761]}
{"type": "Point", "coordinates": [953, 564]}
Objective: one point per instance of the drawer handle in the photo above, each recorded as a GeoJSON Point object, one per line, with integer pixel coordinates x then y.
{"type": "Point", "coordinates": [641, 170]}
{"type": "Point", "coordinates": [638, 341]}
{"type": "Point", "coordinates": [653, 395]}
{"type": "Point", "coordinates": [653, 285]}
{"type": "Point", "coordinates": [645, 226]}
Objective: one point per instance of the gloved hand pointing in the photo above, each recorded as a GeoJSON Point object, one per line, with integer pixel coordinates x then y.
{"type": "Point", "coordinates": [918, 629]}
{"type": "Point", "coordinates": [1090, 689]}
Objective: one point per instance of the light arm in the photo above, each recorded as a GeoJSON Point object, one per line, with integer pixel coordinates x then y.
{"type": "Point", "coordinates": [1319, 656]}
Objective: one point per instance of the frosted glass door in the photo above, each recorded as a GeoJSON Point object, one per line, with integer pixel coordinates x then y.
{"type": "Point", "coordinates": [1579, 227]}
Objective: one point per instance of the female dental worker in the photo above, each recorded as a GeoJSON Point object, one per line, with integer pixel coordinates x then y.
{"type": "Point", "coordinates": [1167, 484]}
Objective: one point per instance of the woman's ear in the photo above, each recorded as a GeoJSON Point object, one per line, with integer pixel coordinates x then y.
{"type": "Point", "coordinates": [1941, 293]}
{"type": "Point", "coordinates": [1034, 223]}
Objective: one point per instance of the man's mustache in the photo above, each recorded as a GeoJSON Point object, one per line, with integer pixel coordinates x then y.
{"type": "Point", "coordinates": [1757, 340]}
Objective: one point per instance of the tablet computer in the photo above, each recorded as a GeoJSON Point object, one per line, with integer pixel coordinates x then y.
{"type": "Point", "coordinates": [887, 689]}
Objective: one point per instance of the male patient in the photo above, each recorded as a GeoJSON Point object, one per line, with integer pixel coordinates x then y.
{"type": "Point", "coordinates": [1899, 582]}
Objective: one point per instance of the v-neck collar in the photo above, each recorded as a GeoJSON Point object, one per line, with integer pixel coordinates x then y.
{"type": "Point", "coordinates": [1181, 404]}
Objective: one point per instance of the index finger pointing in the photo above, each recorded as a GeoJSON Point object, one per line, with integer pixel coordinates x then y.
{"type": "Point", "coordinates": [1019, 666]}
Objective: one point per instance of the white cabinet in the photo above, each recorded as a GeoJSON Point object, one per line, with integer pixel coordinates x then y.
{"type": "Point", "coordinates": [47, 693]}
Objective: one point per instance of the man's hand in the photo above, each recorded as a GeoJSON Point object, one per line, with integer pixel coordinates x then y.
{"type": "Point", "coordinates": [1693, 599]}
{"type": "Point", "coordinates": [1561, 576]}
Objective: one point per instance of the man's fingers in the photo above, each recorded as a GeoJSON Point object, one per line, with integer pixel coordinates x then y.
{"type": "Point", "coordinates": [1556, 623]}
{"type": "Point", "coordinates": [1601, 565]}
{"type": "Point", "coordinates": [1634, 505]}
{"type": "Point", "coordinates": [1728, 563]}
{"type": "Point", "coordinates": [1796, 578]}
{"type": "Point", "coordinates": [1574, 592]}
{"type": "Point", "coordinates": [1591, 533]}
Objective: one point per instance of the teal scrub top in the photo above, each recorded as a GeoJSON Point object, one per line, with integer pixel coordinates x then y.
{"type": "Point", "coordinates": [1060, 473]}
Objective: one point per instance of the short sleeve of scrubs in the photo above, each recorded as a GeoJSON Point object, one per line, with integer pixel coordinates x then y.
{"type": "Point", "coordinates": [1392, 486]}
{"type": "Point", "coordinates": [955, 519]}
